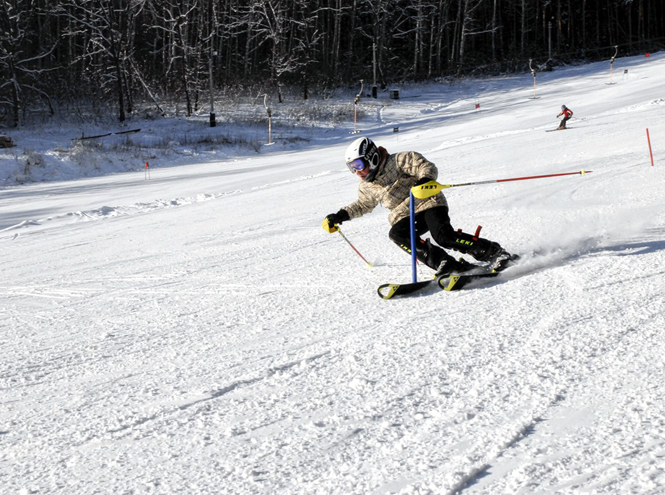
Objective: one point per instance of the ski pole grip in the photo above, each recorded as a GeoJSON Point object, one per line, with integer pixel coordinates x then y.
{"type": "Point", "coordinates": [329, 227]}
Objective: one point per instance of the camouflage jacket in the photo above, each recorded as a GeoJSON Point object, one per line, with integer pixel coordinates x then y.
{"type": "Point", "coordinates": [391, 186]}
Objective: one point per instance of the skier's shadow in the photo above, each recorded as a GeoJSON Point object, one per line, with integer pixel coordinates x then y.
{"type": "Point", "coordinates": [632, 249]}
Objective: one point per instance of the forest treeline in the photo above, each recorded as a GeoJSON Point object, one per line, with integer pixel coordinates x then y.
{"type": "Point", "coordinates": [125, 52]}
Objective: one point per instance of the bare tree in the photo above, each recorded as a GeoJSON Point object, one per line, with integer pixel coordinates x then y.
{"type": "Point", "coordinates": [307, 39]}
{"type": "Point", "coordinates": [275, 26]}
{"type": "Point", "coordinates": [121, 51]}
{"type": "Point", "coordinates": [467, 26]}
{"type": "Point", "coordinates": [184, 60]}
{"type": "Point", "coordinates": [19, 61]}
{"type": "Point", "coordinates": [105, 30]}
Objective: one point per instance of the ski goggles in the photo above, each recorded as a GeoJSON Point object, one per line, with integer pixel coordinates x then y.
{"type": "Point", "coordinates": [357, 165]}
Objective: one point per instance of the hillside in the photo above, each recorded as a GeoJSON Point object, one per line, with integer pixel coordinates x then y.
{"type": "Point", "coordinates": [197, 332]}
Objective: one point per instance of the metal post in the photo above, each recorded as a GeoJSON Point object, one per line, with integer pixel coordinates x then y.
{"type": "Point", "coordinates": [549, 38]}
{"type": "Point", "coordinates": [269, 112]}
{"type": "Point", "coordinates": [533, 73]}
{"type": "Point", "coordinates": [355, 108]}
{"type": "Point", "coordinates": [616, 51]}
{"type": "Point", "coordinates": [374, 91]}
{"type": "Point", "coordinates": [213, 123]}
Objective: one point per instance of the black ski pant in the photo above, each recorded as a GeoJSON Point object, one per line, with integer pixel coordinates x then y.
{"type": "Point", "coordinates": [436, 221]}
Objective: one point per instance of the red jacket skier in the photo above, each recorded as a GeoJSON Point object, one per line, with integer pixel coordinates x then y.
{"type": "Point", "coordinates": [567, 113]}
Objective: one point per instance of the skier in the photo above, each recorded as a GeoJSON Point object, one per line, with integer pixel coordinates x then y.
{"type": "Point", "coordinates": [567, 113]}
{"type": "Point", "coordinates": [387, 179]}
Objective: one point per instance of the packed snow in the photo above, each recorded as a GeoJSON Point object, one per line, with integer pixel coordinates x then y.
{"type": "Point", "coordinates": [190, 328]}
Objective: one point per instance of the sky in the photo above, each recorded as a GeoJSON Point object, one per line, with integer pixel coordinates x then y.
{"type": "Point", "coordinates": [196, 331]}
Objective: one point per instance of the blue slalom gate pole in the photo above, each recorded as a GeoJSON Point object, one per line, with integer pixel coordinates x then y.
{"type": "Point", "coordinates": [412, 208]}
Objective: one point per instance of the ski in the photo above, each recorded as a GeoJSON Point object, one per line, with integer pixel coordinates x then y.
{"type": "Point", "coordinates": [557, 129]}
{"type": "Point", "coordinates": [447, 283]}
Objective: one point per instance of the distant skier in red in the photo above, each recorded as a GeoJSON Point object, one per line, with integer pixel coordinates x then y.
{"type": "Point", "coordinates": [567, 114]}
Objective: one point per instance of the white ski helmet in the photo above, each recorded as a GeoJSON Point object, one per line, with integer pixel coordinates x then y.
{"type": "Point", "coordinates": [363, 153]}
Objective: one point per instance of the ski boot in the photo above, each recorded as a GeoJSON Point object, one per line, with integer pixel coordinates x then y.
{"type": "Point", "coordinates": [453, 266]}
{"type": "Point", "coordinates": [502, 260]}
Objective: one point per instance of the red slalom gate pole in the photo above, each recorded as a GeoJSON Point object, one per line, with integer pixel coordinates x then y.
{"type": "Point", "coordinates": [431, 188]}
{"type": "Point", "coordinates": [649, 141]}
{"type": "Point", "coordinates": [581, 172]}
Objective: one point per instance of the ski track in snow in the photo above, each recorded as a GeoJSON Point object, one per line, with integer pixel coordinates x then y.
{"type": "Point", "coordinates": [114, 211]}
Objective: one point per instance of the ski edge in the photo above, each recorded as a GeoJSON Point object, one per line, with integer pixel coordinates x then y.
{"type": "Point", "coordinates": [457, 282]}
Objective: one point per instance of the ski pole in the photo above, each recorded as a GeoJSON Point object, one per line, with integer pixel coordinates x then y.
{"type": "Point", "coordinates": [353, 247]}
{"type": "Point", "coordinates": [433, 187]}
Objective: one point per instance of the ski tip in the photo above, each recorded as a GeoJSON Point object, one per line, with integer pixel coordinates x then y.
{"type": "Point", "coordinates": [386, 291]}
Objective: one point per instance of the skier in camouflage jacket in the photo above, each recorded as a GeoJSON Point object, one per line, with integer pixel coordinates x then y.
{"type": "Point", "coordinates": [386, 179]}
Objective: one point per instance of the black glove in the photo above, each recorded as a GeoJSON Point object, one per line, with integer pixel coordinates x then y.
{"type": "Point", "coordinates": [338, 218]}
{"type": "Point", "coordinates": [424, 180]}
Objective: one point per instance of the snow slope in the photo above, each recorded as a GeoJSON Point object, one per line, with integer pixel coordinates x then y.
{"type": "Point", "coordinates": [199, 333]}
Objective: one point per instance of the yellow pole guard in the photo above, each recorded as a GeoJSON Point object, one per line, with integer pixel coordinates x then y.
{"type": "Point", "coordinates": [428, 189]}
